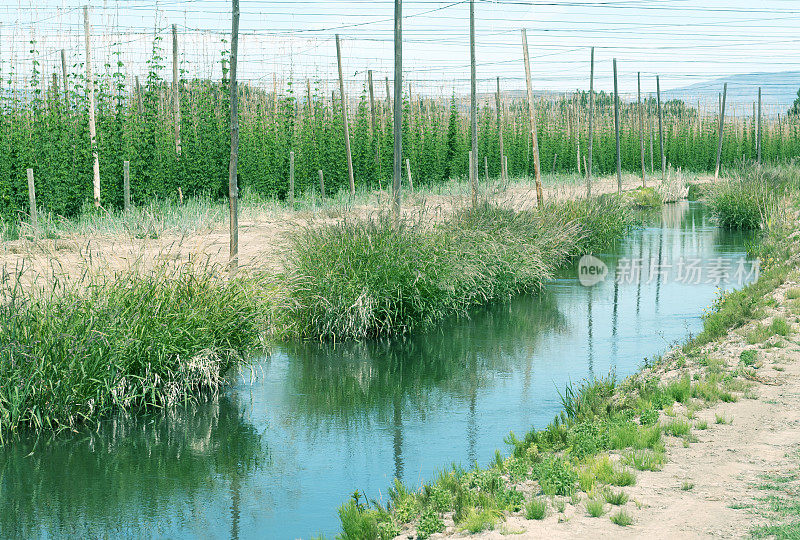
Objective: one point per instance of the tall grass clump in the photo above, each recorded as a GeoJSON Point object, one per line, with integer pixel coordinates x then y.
{"type": "Point", "coordinates": [750, 198]}
{"type": "Point", "coordinates": [368, 278]}
{"type": "Point", "coordinates": [75, 352]}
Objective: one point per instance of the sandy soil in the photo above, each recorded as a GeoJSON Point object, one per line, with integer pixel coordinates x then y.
{"type": "Point", "coordinates": [263, 239]}
{"type": "Point", "coordinates": [725, 465]}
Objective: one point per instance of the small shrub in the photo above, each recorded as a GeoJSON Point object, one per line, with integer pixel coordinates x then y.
{"type": "Point", "coordinates": [429, 523]}
{"type": "Point", "coordinates": [677, 428]}
{"type": "Point", "coordinates": [481, 520]}
{"type": "Point", "coordinates": [621, 518]}
{"type": "Point", "coordinates": [555, 476]}
{"type": "Point", "coordinates": [358, 523]}
{"type": "Point", "coordinates": [649, 417]}
{"type": "Point", "coordinates": [536, 508]}
{"type": "Point", "coordinates": [646, 460]}
{"type": "Point", "coordinates": [687, 486]}
{"type": "Point", "coordinates": [701, 424]}
{"type": "Point", "coordinates": [748, 357]}
{"type": "Point", "coordinates": [617, 498]}
{"type": "Point", "coordinates": [595, 507]}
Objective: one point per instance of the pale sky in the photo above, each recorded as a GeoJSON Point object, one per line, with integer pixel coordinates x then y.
{"type": "Point", "coordinates": [685, 41]}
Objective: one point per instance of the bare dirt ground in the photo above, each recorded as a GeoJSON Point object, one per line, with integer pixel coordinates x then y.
{"type": "Point", "coordinates": [263, 236]}
{"type": "Point", "coordinates": [726, 468]}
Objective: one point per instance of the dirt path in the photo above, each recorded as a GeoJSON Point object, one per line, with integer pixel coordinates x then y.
{"type": "Point", "coordinates": [716, 486]}
{"type": "Point", "coordinates": [263, 236]}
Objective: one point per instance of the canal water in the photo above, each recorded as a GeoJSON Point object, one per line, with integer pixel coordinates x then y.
{"type": "Point", "coordinates": [286, 444]}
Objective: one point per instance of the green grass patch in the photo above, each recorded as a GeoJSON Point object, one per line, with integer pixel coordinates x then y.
{"type": "Point", "coordinates": [595, 507]}
{"type": "Point", "coordinates": [621, 518]}
{"type": "Point", "coordinates": [536, 508]}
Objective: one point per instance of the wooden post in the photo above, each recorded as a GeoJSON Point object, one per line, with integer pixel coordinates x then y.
{"type": "Point", "coordinates": [532, 115]}
{"type": "Point", "coordinates": [500, 133]}
{"type": "Point", "coordinates": [650, 123]}
{"type": "Point", "coordinates": [397, 125]}
{"type": "Point", "coordinates": [588, 166]}
{"type": "Point", "coordinates": [577, 138]}
{"type": "Point", "coordinates": [65, 78]}
{"type": "Point", "coordinates": [321, 184]}
{"type": "Point", "coordinates": [473, 106]}
{"type": "Point", "coordinates": [375, 143]}
{"type": "Point", "coordinates": [291, 179]}
{"type": "Point", "coordinates": [343, 97]}
{"type": "Point", "coordinates": [90, 96]}
{"type": "Point", "coordinates": [408, 171]}
{"type": "Point", "coordinates": [505, 167]}
{"type": "Point", "coordinates": [555, 157]}
{"type": "Point", "coordinates": [486, 169]}
{"type": "Point", "coordinates": [233, 184]}
{"type": "Point", "coordinates": [721, 127]}
{"type": "Point", "coordinates": [641, 120]}
{"type": "Point", "coordinates": [661, 130]}
{"type": "Point", "coordinates": [388, 98]}
{"type": "Point", "coordinates": [616, 129]}
{"type": "Point", "coordinates": [32, 201]}
{"type": "Point", "coordinates": [758, 140]}
{"type": "Point", "coordinates": [126, 185]}
{"type": "Point", "coordinates": [176, 89]}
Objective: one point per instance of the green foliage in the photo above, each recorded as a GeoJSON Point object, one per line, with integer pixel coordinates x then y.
{"type": "Point", "coordinates": [369, 278]}
{"type": "Point", "coordinates": [429, 523]}
{"type": "Point", "coordinates": [595, 507]}
{"type": "Point", "coordinates": [536, 508]}
{"type": "Point", "coordinates": [555, 476]}
{"type": "Point", "coordinates": [617, 498]}
{"type": "Point", "coordinates": [137, 340]}
{"type": "Point", "coordinates": [621, 518]}
{"type": "Point", "coordinates": [748, 357]}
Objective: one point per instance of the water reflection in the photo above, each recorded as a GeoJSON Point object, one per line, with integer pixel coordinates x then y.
{"type": "Point", "coordinates": [120, 479]}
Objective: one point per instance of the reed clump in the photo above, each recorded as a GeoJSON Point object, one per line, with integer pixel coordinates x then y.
{"type": "Point", "coordinates": [73, 352]}
{"type": "Point", "coordinates": [368, 278]}
{"type": "Point", "coordinates": [751, 198]}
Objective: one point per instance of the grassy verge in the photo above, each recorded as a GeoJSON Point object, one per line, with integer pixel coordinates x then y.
{"type": "Point", "coordinates": [589, 453]}
{"type": "Point", "coordinates": [73, 353]}
{"type": "Point", "coordinates": [361, 279]}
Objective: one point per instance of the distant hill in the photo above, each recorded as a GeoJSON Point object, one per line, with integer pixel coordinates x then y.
{"type": "Point", "coordinates": [778, 90]}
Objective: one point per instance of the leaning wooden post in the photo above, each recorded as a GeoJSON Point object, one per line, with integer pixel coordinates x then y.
{"type": "Point", "coordinates": [291, 179]}
{"type": "Point", "coordinates": [321, 184]}
{"type": "Point", "coordinates": [641, 120]}
{"type": "Point", "coordinates": [32, 201]}
{"type": "Point", "coordinates": [90, 97]}
{"type": "Point", "coordinates": [408, 171]}
{"type": "Point", "coordinates": [176, 92]}
{"type": "Point", "coordinates": [555, 157]}
{"type": "Point", "coordinates": [661, 131]}
{"type": "Point", "coordinates": [616, 129]}
{"type": "Point", "coordinates": [537, 168]}
{"type": "Point", "coordinates": [344, 120]}
{"type": "Point", "coordinates": [126, 185]}
{"type": "Point", "coordinates": [233, 184]}
{"type": "Point", "coordinates": [500, 133]}
{"type": "Point", "coordinates": [588, 166]}
{"type": "Point", "coordinates": [758, 140]}
{"type": "Point", "coordinates": [721, 127]}
{"type": "Point", "coordinates": [397, 123]}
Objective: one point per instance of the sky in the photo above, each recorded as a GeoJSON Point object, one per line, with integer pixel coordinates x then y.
{"type": "Point", "coordinates": [684, 41]}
